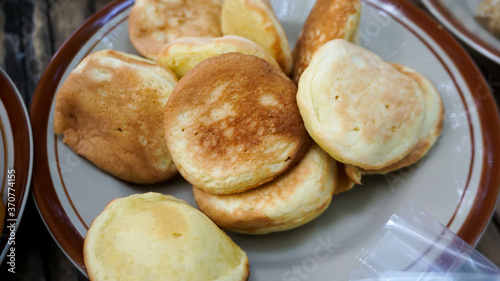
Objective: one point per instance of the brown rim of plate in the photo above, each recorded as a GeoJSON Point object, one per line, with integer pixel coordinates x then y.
{"type": "Point", "coordinates": [23, 152]}
{"type": "Point", "coordinates": [48, 204]}
{"type": "Point", "coordinates": [461, 28]}
{"type": "Point", "coordinates": [71, 241]}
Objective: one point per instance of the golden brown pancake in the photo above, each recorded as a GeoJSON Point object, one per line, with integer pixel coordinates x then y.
{"type": "Point", "coordinates": [110, 110]}
{"type": "Point", "coordinates": [328, 20]}
{"type": "Point", "coordinates": [152, 236]}
{"type": "Point", "coordinates": [182, 54]}
{"type": "Point", "coordinates": [433, 124]}
{"type": "Point", "coordinates": [255, 20]}
{"type": "Point", "coordinates": [358, 108]}
{"type": "Point", "coordinates": [154, 23]}
{"type": "Point", "coordinates": [289, 201]}
{"type": "Point", "coordinates": [233, 124]}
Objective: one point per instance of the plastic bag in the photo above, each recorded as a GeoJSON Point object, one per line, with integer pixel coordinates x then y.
{"type": "Point", "coordinates": [413, 245]}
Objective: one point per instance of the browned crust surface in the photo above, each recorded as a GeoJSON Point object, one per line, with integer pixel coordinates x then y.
{"type": "Point", "coordinates": [236, 113]}
{"type": "Point", "coordinates": [293, 199]}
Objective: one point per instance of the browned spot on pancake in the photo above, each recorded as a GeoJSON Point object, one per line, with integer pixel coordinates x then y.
{"type": "Point", "coordinates": [244, 128]}
{"type": "Point", "coordinates": [326, 21]}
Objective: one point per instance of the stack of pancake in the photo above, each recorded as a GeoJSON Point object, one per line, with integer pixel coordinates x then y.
{"type": "Point", "coordinates": [264, 135]}
{"type": "Point", "coordinates": [235, 133]}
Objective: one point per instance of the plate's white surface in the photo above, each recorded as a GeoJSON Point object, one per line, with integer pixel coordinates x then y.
{"type": "Point", "coordinates": [462, 14]}
{"type": "Point", "coordinates": [444, 183]}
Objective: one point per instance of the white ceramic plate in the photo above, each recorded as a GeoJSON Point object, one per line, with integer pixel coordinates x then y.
{"type": "Point", "coordinates": [457, 182]}
{"type": "Point", "coordinates": [16, 158]}
{"type": "Point", "coordinates": [458, 17]}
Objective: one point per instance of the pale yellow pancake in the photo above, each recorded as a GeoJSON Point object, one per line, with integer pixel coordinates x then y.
{"type": "Point", "coordinates": [182, 54]}
{"type": "Point", "coordinates": [158, 237]}
{"type": "Point", "coordinates": [432, 126]}
{"type": "Point", "coordinates": [488, 15]}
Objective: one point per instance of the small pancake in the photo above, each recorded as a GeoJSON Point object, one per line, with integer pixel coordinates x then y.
{"type": "Point", "coordinates": [488, 16]}
{"type": "Point", "coordinates": [111, 109]}
{"type": "Point", "coordinates": [154, 23]}
{"type": "Point", "coordinates": [152, 236]}
{"type": "Point", "coordinates": [358, 108]}
{"type": "Point", "coordinates": [289, 201]}
{"type": "Point", "coordinates": [255, 20]}
{"type": "Point", "coordinates": [328, 20]}
{"type": "Point", "coordinates": [233, 124]}
{"type": "Point", "coordinates": [432, 126]}
{"type": "Point", "coordinates": [182, 54]}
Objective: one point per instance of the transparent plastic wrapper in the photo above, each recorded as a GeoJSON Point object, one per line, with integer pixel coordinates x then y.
{"type": "Point", "coordinates": [413, 245]}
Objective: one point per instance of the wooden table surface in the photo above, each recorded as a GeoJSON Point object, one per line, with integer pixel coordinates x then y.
{"type": "Point", "coordinates": [31, 32]}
